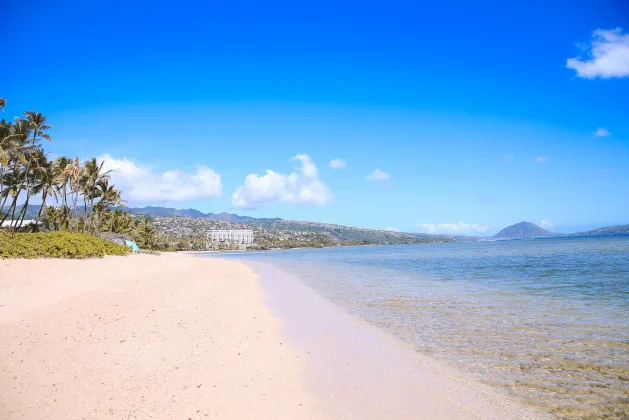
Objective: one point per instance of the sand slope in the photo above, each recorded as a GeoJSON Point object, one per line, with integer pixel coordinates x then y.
{"type": "Point", "coordinates": [143, 337]}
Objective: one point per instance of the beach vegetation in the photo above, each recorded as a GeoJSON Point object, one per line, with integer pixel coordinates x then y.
{"type": "Point", "coordinates": [76, 197]}
{"type": "Point", "coordinates": [56, 245]}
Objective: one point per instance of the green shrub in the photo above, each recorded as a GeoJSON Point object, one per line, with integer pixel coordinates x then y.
{"type": "Point", "coordinates": [56, 245]}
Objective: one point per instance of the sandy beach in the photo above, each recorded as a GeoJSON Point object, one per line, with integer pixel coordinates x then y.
{"type": "Point", "coordinates": [182, 337]}
{"type": "Point", "coordinates": [159, 337]}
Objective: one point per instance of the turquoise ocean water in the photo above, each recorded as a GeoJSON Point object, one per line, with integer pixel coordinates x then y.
{"type": "Point", "coordinates": [546, 320]}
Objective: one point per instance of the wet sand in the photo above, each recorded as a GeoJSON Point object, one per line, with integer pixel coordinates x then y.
{"type": "Point", "coordinates": [178, 336]}
{"type": "Point", "coordinates": [361, 373]}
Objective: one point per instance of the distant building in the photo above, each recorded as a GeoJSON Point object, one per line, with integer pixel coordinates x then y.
{"type": "Point", "coordinates": [229, 238]}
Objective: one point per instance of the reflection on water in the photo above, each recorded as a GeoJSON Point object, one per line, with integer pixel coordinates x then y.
{"type": "Point", "coordinates": [547, 320]}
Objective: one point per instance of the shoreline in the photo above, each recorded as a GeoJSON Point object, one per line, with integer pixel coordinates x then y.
{"type": "Point", "coordinates": [248, 250]}
{"type": "Point", "coordinates": [177, 335]}
{"type": "Point", "coordinates": [367, 373]}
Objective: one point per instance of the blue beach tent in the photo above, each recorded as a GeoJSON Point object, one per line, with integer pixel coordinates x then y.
{"type": "Point", "coordinates": [133, 246]}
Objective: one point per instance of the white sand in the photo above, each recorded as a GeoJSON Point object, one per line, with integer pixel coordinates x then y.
{"type": "Point", "coordinates": [143, 337]}
{"type": "Point", "coordinates": [182, 337]}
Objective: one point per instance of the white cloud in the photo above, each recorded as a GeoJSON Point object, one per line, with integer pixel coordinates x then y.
{"type": "Point", "coordinates": [541, 159]}
{"type": "Point", "coordinates": [607, 55]}
{"type": "Point", "coordinates": [141, 184]}
{"type": "Point", "coordinates": [378, 175]}
{"type": "Point", "coordinates": [337, 164]}
{"type": "Point", "coordinates": [546, 224]}
{"type": "Point", "coordinates": [392, 229]}
{"type": "Point", "coordinates": [299, 188]}
{"type": "Point", "coordinates": [452, 228]}
{"type": "Point", "coordinates": [602, 132]}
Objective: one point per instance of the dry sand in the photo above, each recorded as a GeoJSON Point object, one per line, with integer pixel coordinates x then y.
{"type": "Point", "coordinates": [143, 337]}
{"type": "Point", "coordinates": [182, 337]}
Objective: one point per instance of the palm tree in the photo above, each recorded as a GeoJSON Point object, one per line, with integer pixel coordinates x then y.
{"type": "Point", "coordinates": [62, 217]}
{"type": "Point", "coordinates": [16, 144]}
{"type": "Point", "coordinates": [123, 222]}
{"type": "Point", "coordinates": [12, 181]}
{"type": "Point", "coordinates": [109, 198]}
{"type": "Point", "coordinates": [5, 154]}
{"type": "Point", "coordinates": [25, 171]}
{"type": "Point", "coordinates": [73, 171]}
{"type": "Point", "coordinates": [148, 235]}
{"type": "Point", "coordinates": [46, 184]}
{"type": "Point", "coordinates": [49, 218]}
{"type": "Point", "coordinates": [38, 164]}
{"type": "Point", "coordinates": [36, 123]}
{"type": "Point", "coordinates": [105, 190]}
{"type": "Point", "coordinates": [63, 178]}
{"type": "Point", "coordinates": [118, 220]}
{"type": "Point", "coordinates": [93, 174]}
{"type": "Point", "coordinates": [116, 200]}
{"type": "Point", "coordinates": [4, 161]}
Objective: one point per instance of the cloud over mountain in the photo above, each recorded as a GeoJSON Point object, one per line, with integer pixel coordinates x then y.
{"type": "Point", "coordinates": [140, 183]}
{"type": "Point", "coordinates": [452, 228]}
{"type": "Point", "coordinates": [303, 187]}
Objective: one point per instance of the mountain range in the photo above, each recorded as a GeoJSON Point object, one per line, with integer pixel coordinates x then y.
{"type": "Point", "coordinates": [169, 211]}
{"type": "Point", "coordinates": [522, 230]}
{"type": "Point", "coordinates": [527, 230]}
{"type": "Point", "coordinates": [191, 224]}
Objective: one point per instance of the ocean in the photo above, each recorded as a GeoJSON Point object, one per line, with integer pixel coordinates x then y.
{"type": "Point", "coordinates": [545, 320]}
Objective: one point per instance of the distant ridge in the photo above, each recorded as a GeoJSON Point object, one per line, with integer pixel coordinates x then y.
{"type": "Point", "coordinates": [618, 230]}
{"type": "Point", "coordinates": [168, 211]}
{"type": "Point", "coordinates": [525, 230]}
{"type": "Point", "coordinates": [520, 230]}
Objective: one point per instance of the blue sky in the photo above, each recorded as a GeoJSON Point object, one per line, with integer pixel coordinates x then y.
{"type": "Point", "coordinates": [474, 114]}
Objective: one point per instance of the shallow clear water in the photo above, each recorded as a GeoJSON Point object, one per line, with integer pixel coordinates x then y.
{"type": "Point", "coordinates": [548, 320]}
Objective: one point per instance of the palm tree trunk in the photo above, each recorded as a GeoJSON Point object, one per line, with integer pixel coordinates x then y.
{"type": "Point", "coordinates": [6, 215]}
{"type": "Point", "coordinates": [3, 216]}
{"type": "Point", "coordinates": [28, 186]}
{"type": "Point", "coordinates": [14, 206]}
{"type": "Point", "coordinates": [99, 216]}
{"type": "Point", "coordinates": [43, 203]}
{"type": "Point", "coordinates": [15, 165]}
{"type": "Point", "coordinates": [92, 214]}
{"type": "Point", "coordinates": [93, 223]}
{"type": "Point", "coordinates": [65, 193]}
{"type": "Point", "coordinates": [84, 213]}
{"type": "Point", "coordinates": [24, 208]}
{"type": "Point", "coordinates": [75, 199]}
{"type": "Point", "coordinates": [1, 186]}
{"type": "Point", "coordinates": [4, 200]}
